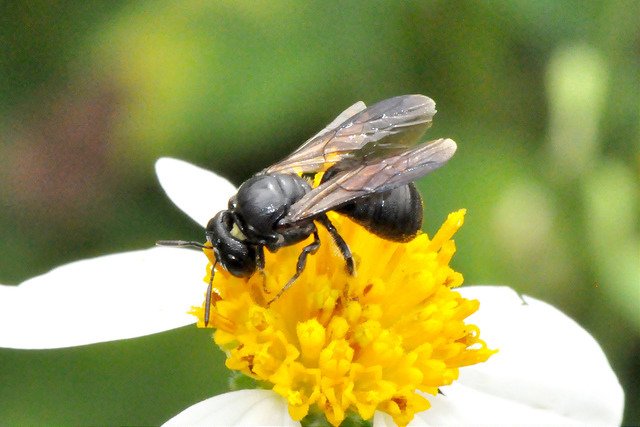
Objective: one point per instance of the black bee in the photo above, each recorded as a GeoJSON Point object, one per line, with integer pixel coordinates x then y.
{"type": "Point", "coordinates": [369, 158]}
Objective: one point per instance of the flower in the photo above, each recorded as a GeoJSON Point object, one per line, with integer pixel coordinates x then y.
{"type": "Point", "coordinates": [534, 376]}
{"type": "Point", "coordinates": [340, 342]}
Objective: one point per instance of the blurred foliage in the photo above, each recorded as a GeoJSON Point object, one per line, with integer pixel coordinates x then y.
{"type": "Point", "coordinates": [542, 98]}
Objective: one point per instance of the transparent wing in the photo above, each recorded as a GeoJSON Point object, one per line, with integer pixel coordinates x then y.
{"type": "Point", "coordinates": [374, 176]}
{"type": "Point", "coordinates": [342, 117]}
{"type": "Point", "coordinates": [297, 158]}
{"type": "Point", "coordinates": [390, 126]}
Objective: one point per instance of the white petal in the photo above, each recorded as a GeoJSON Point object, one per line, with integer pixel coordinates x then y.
{"type": "Point", "coordinates": [103, 299]}
{"type": "Point", "coordinates": [549, 370]}
{"type": "Point", "coordinates": [197, 192]}
{"type": "Point", "coordinates": [467, 406]}
{"type": "Point", "coordinates": [237, 408]}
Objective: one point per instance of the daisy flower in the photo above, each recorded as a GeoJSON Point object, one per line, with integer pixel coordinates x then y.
{"type": "Point", "coordinates": [400, 342]}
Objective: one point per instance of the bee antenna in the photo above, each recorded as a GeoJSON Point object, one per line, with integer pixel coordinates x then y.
{"type": "Point", "coordinates": [197, 246]}
{"type": "Point", "coordinates": [182, 244]}
{"type": "Point", "coordinates": [207, 304]}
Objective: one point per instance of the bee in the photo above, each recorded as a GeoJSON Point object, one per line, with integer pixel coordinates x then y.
{"type": "Point", "coordinates": [369, 157]}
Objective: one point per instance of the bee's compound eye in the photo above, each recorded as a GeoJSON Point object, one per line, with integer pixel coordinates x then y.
{"type": "Point", "coordinates": [233, 253]}
{"type": "Point", "coordinates": [238, 259]}
{"type": "Point", "coordinates": [219, 226]}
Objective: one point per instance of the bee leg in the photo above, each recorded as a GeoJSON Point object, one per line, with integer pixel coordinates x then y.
{"type": "Point", "coordinates": [260, 266]}
{"type": "Point", "coordinates": [207, 304]}
{"type": "Point", "coordinates": [340, 243]}
{"type": "Point", "coordinates": [311, 248]}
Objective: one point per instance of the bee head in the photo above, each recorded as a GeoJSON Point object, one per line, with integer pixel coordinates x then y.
{"type": "Point", "coordinates": [230, 246]}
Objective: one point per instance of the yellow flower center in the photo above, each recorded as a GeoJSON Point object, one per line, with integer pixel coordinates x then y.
{"type": "Point", "coordinates": [364, 343]}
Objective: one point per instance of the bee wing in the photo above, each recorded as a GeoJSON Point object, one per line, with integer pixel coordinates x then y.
{"type": "Point", "coordinates": [342, 117]}
{"type": "Point", "coordinates": [296, 163]}
{"type": "Point", "coordinates": [378, 175]}
{"type": "Point", "coordinates": [389, 126]}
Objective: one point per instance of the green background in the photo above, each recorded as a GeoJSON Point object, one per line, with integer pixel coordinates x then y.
{"type": "Point", "coordinates": [542, 98]}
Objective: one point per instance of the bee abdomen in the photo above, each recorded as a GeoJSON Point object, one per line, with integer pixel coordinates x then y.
{"type": "Point", "coordinates": [393, 215]}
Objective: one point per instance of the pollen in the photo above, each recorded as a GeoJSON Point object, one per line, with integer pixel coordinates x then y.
{"type": "Point", "coordinates": [378, 340]}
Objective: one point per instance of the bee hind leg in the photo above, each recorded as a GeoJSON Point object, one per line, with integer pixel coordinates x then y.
{"type": "Point", "coordinates": [340, 243]}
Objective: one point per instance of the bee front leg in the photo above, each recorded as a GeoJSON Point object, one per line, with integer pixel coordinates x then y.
{"type": "Point", "coordinates": [311, 248]}
{"type": "Point", "coordinates": [260, 267]}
